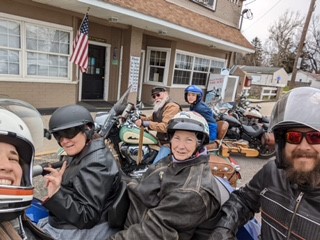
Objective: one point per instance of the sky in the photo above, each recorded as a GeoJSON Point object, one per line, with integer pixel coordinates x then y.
{"type": "Point", "coordinates": [266, 12]}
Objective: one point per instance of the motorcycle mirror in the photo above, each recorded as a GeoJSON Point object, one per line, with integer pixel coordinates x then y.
{"type": "Point", "coordinates": [47, 134]}
{"type": "Point", "coordinates": [139, 105]}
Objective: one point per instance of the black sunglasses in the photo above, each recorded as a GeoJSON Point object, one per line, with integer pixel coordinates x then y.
{"type": "Point", "coordinates": [67, 133]}
{"type": "Point", "coordinates": [156, 95]}
{"type": "Point", "coordinates": [295, 137]}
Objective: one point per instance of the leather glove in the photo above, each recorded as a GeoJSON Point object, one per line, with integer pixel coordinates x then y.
{"type": "Point", "coordinates": [222, 234]}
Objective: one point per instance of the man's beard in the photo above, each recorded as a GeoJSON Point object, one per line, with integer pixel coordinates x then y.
{"type": "Point", "coordinates": [303, 178]}
{"type": "Point", "coordinates": [159, 105]}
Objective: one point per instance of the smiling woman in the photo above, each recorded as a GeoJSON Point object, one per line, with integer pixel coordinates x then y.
{"type": "Point", "coordinates": [16, 160]}
{"type": "Point", "coordinates": [77, 204]}
{"type": "Point", "coordinates": [177, 198]}
{"type": "Point", "coordinates": [10, 169]}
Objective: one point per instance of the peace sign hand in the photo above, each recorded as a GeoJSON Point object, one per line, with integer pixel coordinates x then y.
{"type": "Point", "coordinates": [54, 179]}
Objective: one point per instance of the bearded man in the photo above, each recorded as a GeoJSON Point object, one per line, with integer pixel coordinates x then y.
{"type": "Point", "coordinates": [164, 109]}
{"type": "Point", "coordinates": [286, 190]}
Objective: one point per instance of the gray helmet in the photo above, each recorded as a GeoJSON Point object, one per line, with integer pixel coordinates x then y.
{"type": "Point", "coordinates": [298, 108]}
{"type": "Point", "coordinates": [190, 121]}
{"type": "Point", "coordinates": [70, 116]}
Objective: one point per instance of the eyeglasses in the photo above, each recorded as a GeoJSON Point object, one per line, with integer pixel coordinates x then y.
{"type": "Point", "coordinates": [67, 133]}
{"type": "Point", "coordinates": [154, 96]}
{"type": "Point", "coordinates": [295, 137]}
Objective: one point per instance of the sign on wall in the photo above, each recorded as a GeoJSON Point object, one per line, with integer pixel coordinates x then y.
{"type": "Point", "coordinates": [225, 85]}
{"type": "Point", "coordinates": [215, 82]}
{"type": "Point", "coordinates": [134, 73]}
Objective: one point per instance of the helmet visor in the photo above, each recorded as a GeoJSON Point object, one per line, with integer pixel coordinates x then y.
{"type": "Point", "coordinates": [29, 115]}
{"type": "Point", "coordinates": [300, 107]}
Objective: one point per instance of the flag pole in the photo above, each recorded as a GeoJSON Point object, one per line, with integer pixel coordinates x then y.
{"type": "Point", "coordinates": [85, 15]}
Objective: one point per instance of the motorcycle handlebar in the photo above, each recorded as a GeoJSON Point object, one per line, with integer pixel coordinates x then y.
{"type": "Point", "coordinates": [39, 169]}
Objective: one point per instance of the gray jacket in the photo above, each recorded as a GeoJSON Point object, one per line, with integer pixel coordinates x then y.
{"type": "Point", "coordinates": [172, 201]}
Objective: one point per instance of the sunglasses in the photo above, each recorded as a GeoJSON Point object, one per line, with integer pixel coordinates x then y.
{"type": "Point", "coordinates": [67, 133]}
{"type": "Point", "coordinates": [154, 96]}
{"type": "Point", "coordinates": [295, 137]}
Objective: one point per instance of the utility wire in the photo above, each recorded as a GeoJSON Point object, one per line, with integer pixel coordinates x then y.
{"type": "Point", "coordinates": [250, 2]}
{"type": "Point", "coordinates": [262, 15]}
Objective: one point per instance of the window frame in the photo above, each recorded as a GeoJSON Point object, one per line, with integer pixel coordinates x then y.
{"type": "Point", "coordinates": [202, 3]}
{"type": "Point", "coordinates": [23, 61]}
{"type": "Point", "coordinates": [194, 56]}
{"type": "Point", "coordinates": [166, 67]}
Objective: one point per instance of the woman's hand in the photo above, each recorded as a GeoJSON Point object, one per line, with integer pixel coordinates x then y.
{"type": "Point", "coordinates": [54, 179]}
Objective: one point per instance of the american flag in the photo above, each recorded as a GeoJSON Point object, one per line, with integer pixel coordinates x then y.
{"type": "Point", "coordinates": [81, 45]}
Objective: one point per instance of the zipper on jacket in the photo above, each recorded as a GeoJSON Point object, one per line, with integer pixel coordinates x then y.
{"type": "Point", "coordinates": [263, 191]}
{"type": "Point", "coordinates": [298, 201]}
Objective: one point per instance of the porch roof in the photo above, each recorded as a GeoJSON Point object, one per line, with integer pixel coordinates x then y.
{"type": "Point", "coordinates": [164, 18]}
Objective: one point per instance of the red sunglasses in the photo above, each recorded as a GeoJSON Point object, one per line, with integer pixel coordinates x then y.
{"type": "Point", "coordinates": [295, 137]}
{"type": "Point", "coordinates": [156, 95]}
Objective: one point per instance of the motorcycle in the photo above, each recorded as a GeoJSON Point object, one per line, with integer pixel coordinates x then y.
{"type": "Point", "coordinates": [252, 140]}
{"type": "Point", "coordinates": [125, 140]}
{"type": "Point", "coordinates": [134, 148]}
{"type": "Point", "coordinates": [248, 114]}
{"type": "Point", "coordinates": [247, 130]}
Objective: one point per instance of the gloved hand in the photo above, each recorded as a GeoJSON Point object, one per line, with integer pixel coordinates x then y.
{"type": "Point", "coordinates": [222, 234]}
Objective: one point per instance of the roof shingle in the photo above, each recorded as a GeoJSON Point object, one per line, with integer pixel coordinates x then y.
{"type": "Point", "coordinates": [183, 17]}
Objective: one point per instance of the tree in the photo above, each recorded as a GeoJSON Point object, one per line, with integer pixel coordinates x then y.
{"type": "Point", "coordinates": [283, 40]}
{"type": "Point", "coordinates": [254, 59]}
{"type": "Point", "coordinates": [312, 46]}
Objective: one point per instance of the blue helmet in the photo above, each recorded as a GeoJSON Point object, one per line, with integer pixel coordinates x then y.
{"type": "Point", "coordinates": [193, 89]}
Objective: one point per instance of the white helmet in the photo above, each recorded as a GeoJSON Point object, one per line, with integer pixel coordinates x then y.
{"type": "Point", "coordinates": [14, 131]}
{"type": "Point", "coordinates": [190, 121]}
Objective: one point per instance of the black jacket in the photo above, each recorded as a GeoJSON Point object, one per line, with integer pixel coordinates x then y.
{"type": "Point", "coordinates": [88, 188]}
{"type": "Point", "coordinates": [172, 201]}
{"type": "Point", "coordinates": [287, 211]}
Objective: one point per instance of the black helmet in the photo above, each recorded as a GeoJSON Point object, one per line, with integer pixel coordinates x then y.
{"type": "Point", "coordinates": [70, 116]}
{"type": "Point", "coordinates": [298, 108]}
{"type": "Point", "coordinates": [190, 121]}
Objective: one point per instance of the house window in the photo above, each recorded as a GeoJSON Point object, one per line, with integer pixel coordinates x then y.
{"type": "Point", "coordinates": [158, 64]}
{"type": "Point", "coordinates": [216, 66]}
{"type": "Point", "coordinates": [10, 47]}
{"type": "Point", "coordinates": [33, 49]}
{"type": "Point", "coordinates": [211, 4]}
{"type": "Point", "coordinates": [193, 69]}
{"type": "Point", "coordinates": [47, 51]}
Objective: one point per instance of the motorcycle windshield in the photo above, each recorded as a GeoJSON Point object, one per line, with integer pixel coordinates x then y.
{"type": "Point", "coordinates": [29, 115]}
{"type": "Point", "coordinates": [116, 110]}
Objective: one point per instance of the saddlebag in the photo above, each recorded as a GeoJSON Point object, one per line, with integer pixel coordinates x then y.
{"type": "Point", "coordinates": [222, 167]}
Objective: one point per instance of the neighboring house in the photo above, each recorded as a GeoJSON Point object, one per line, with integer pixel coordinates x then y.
{"type": "Point", "coordinates": [261, 82]}
{"type": "Point", "coordinates": [145, 43]}
{"type": "Point", "coordinates": [303, 78]}
{"type": "Point", "coordinates": [316, 81]}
